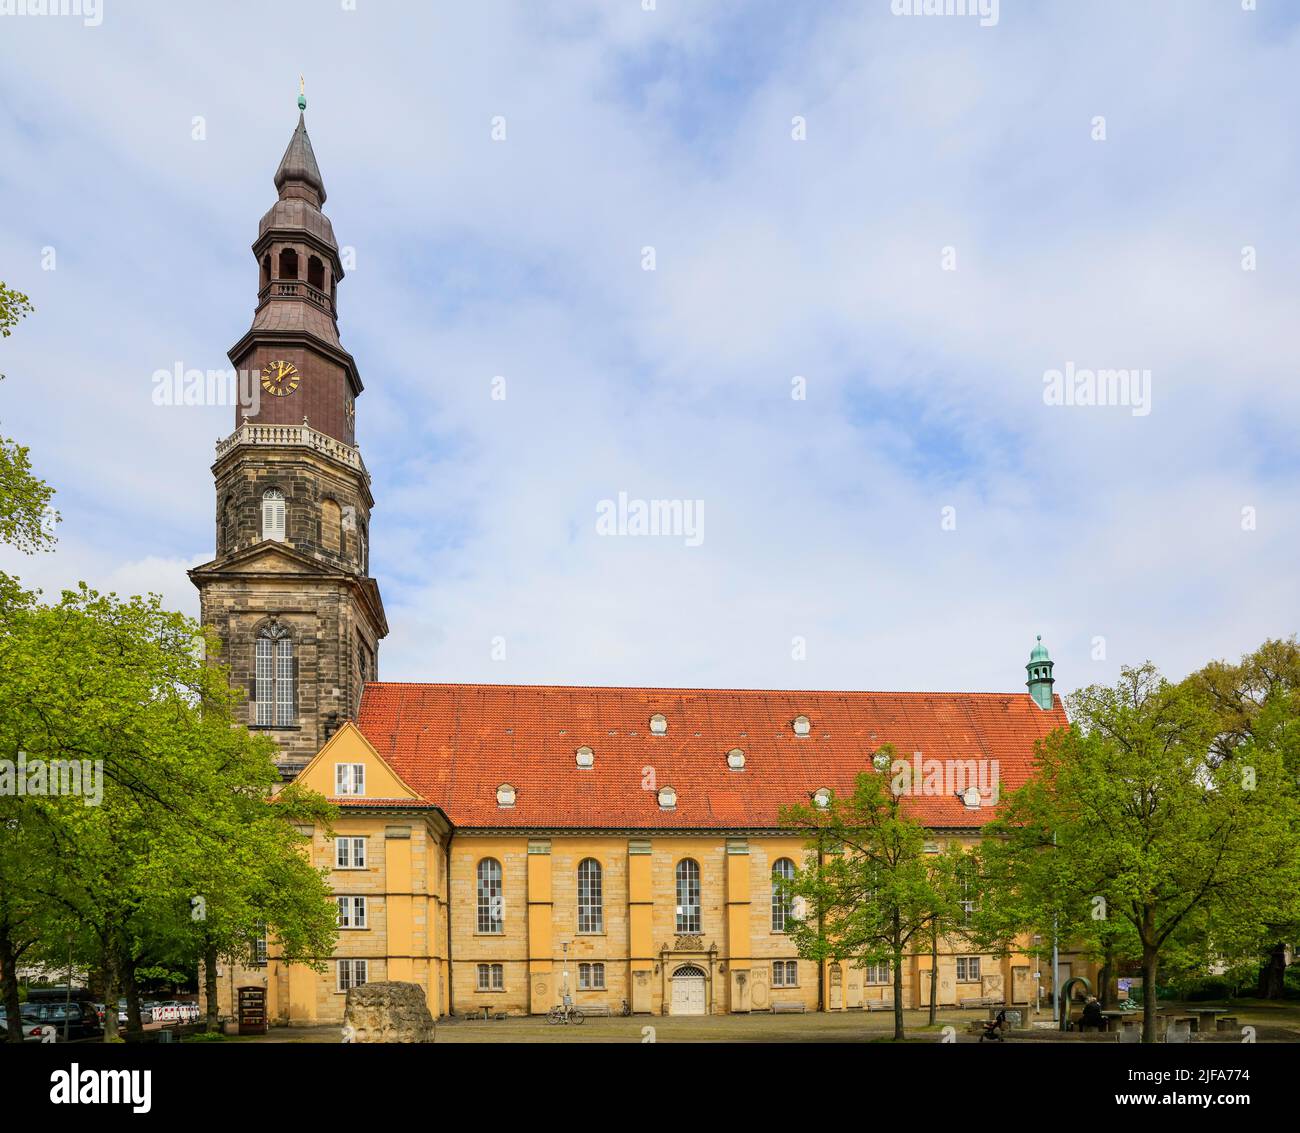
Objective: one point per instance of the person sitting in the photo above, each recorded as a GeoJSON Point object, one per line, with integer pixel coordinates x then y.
{"type": "Point", "coordinates": [1092, 1016]}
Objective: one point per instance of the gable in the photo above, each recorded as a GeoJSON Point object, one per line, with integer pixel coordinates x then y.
{"type": "Point", "coordinates": [348, 745]}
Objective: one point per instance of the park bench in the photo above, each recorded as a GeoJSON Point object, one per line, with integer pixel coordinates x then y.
{"type": "Point", "coordinates": [595, 1009]}
{"type": "Point", "coordinates": [787, 1006]}
{"type": "Point", "coordinates": [880, 1005]}
{"type": "Point", "coordinates": [1226, 1023]}
{"type": "Point", "coordinates": [979, 1001]}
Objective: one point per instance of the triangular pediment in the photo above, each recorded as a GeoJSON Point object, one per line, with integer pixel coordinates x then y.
{"type": "Point", "coordinates": [348, 745]}
{"type": "Point", "coordinates": [268, 557]}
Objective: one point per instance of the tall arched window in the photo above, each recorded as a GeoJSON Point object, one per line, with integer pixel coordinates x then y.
{"type": "Point", "coordinates": [591, 904]}
{"type": "Point", "coordinates": [688, 896]}
{"type": "Point", "coordinates": [273, 514]}
{"type": "Point", "coordinates": [316, 272]}
{"type": "Point", "coordinates": [490, 900]}
{"type": "Point", "coordinates": [331, 525]}
{"type": "Point", "coordinates": [266, 269]}
{"type": "Point", "coordinates": [274, 683]}
{"type": "Point", "coordinates": [782, 871]}
{"type": "Point", "coordinates": [288, 264]}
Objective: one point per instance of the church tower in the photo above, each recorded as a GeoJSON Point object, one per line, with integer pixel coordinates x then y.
{"type": "Point", "coordinates": [289, 592]}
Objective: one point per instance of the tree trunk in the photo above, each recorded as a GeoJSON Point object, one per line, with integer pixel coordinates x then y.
{"type": "Point", "coordinates": [134, 1025]}
{"type": "Point", "coordinates": [1149, 965]}
{"type": "Point", "coordinates": [210, 987]}
{"type": "Point", "coordinates": [934, 973]}
{"type": "Point", "coordinates": [9, 984]}
{"type": "Point", "coordinates": [112, 986]}
{"type": "Point", "coordinates": [1272, 976]}
{"type": "Point", "coordinates": [898, 978]}
{"type": "Point", "coordinates": [1105, 978]}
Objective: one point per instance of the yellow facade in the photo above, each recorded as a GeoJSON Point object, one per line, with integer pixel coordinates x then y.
{"type": "Point", "coordinates": [420, 882]}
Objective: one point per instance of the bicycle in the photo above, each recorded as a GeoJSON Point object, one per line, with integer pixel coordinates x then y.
{"type": "Point", "coordinates": [564, 1013]}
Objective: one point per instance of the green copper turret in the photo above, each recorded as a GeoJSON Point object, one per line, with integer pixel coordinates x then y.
{"type": "Point", "coordinates": [1040, 676]}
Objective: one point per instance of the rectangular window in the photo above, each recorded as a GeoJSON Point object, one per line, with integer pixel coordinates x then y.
{"type": "Point", "coordinates": [349, 853]}
{"type": "Point", "coordinates": [352, 973]}
{"type": "Point", "coordinates": [491, 977]}
{"type": "Point", "coordinates": [878, 974]}
{"type": "Point", "coordinates": [785, 973]}
{"type": "Point", "coordinates": [591, 977]}
{"type": "Point", "coordinates": [968, 969]}
{"type": "Point", "coordinates": [352, 912]}
{"type": "Point", "coordinates": [349, 779]}
{"type": "Point", "coordinates": [259, 949]}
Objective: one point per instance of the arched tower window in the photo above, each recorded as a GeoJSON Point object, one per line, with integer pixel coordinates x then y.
{"type": "Point", "coordinates": [490, 899]}
{"type": "Point", "coordinates": [316, 272]}
{"type": "Point", "coordinates": [274, 684]}
{"type": "Point", "coordinates": [782, 872]}
{"type": "Point", "coordinates": [266, 269]}
{"type": "Point", "coordinates": [273, 514]}
{"type": "Point", "coordinates": [591, 905]}
{"type": "Point", "coordinates": [363, 548]}
{"type": "Point", "coordinates": [688, 896]}
{"type": "Point", "coordinates": [331, 525]}
{"type": "Point", "coordinates": [288, 264]}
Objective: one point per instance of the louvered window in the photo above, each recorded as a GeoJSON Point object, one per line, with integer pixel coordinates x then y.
{"type": "Point", "coordinates": [273, 514]}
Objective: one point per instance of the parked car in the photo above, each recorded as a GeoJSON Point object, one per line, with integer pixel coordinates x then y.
{"type": "Point", "coordinates": [51, 1021]}
{"type": "Point", "coordinates": [146, 1012]}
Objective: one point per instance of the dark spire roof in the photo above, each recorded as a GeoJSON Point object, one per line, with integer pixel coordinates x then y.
{"type": "Point", "coordinates": [298, 166]}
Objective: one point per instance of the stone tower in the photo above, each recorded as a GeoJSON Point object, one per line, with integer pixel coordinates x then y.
{"type": "Point", "coordinates": [289, 592]}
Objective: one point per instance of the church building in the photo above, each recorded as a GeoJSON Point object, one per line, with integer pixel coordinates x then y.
{"type": "Point", "coordinates": [505, 845]}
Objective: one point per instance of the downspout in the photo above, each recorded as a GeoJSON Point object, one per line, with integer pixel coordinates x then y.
{"type": "Point", "coordinates": [451, 1006]}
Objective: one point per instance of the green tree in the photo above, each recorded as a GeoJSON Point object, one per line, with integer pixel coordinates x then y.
{"type": "Point", "coordinates": [866, 885]}
{"type": "Point", "coordinates": [1240, 694]}
{"type": "Point", "coordinates": [26, 521]}
{"type": "Point", "coordinates": [186, 797]}
{"type": "Point", "coordinates": [1129, 819]}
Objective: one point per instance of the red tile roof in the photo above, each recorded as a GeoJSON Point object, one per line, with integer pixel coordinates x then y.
{"type": "Point", "coordinates": [456, 743]}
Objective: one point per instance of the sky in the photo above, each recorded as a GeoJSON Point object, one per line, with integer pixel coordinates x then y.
{"type": "Point", "coordinates": [875, 236]}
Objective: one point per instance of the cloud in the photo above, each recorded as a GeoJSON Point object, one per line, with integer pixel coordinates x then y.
{"type": "Point", "coordinates": [775, 258]}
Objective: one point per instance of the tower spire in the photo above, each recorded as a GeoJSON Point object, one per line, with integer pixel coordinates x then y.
{"type": "Point", "coordinates": [299, 175]}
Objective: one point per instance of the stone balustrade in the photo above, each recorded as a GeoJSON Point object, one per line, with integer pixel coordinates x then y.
{"type": "Point", "coordinates": [303, 435]}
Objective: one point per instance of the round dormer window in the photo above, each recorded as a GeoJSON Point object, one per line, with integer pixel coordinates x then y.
{"type": "Point", "coordinates": [802, 725]}
{"type": "Point", "coordinates": [667, 798]}
{"type": "Point", "coordinates": [736, 759]}
{"type": "Point", "coordinates": [585, 757]}
{"type": "Point", "coordinates": [822, 797]}
{"type": "Point", "coordinates": [658, 725]}
{"type": "Point", "coordinates": [505, 795]}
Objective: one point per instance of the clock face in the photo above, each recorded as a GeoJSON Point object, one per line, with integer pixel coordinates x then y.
{"type": "Point", "coordinates": [280, 378]}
